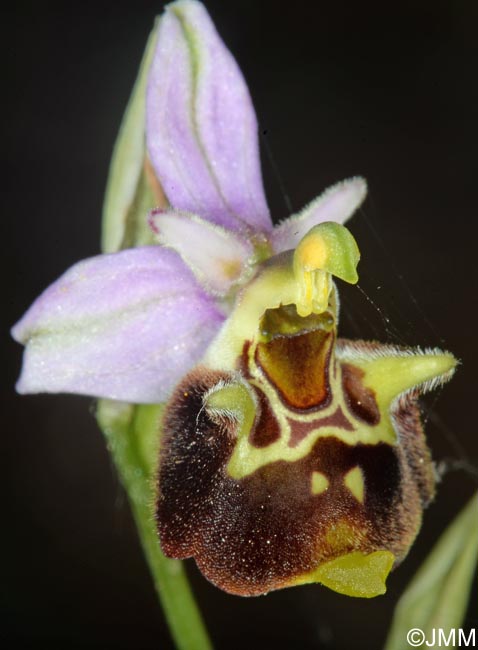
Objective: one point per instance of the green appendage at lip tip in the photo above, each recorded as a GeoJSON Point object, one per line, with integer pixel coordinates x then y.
{"type": "Point", "coordinates": [354, 574]}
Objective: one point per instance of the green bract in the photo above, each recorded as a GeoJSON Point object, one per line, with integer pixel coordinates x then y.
{"type": "Point", "coordinates": [438, 595]}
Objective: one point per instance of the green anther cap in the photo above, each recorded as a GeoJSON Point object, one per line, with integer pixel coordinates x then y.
{"type": "Point", "coordinates": [327, 249]}
{"type": "Point", "coordinates": [330, 247]}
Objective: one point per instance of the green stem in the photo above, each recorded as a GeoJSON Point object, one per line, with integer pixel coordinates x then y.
{"type": "Point", "coordinates": [132, 434]}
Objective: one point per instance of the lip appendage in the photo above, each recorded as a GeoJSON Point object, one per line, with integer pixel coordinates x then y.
{"type": "Point", "coordinates": [290, 455]}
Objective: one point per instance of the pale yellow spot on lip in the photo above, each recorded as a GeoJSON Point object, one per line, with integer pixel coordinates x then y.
{"type": "Point", "coordinates": [319, 483]}
{"type": "Point", "coordinates": [355, 482]}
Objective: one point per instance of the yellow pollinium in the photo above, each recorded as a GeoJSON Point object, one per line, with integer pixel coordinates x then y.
{"type": "Point", "coordinates": [354, 574]}
{"type": "Point", "coordinates": [327, 249]}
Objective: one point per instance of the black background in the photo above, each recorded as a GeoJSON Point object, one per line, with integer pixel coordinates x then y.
{"type": "Point", "coordinates": [385, 90]}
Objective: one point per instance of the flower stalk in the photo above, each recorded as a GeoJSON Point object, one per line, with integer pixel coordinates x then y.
{"type": "Point", "coordinates": [132, 437]}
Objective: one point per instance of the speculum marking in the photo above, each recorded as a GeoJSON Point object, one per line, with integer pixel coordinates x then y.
{"type": "Point", "coordinates": [298, 367]}
{"type": "Point", "coordinates": [300, 429]}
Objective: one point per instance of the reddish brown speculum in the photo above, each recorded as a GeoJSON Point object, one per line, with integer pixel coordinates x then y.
{"type": "Point", "coordinates": [288, 360]}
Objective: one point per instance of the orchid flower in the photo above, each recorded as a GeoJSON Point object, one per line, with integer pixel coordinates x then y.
{"type": "Point", "coordinates": [288, 455]}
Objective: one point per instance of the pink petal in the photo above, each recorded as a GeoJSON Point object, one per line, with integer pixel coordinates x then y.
{"type": "Point", "coordinates": [201, 126]}
{"type": "Point", "coordinates": [124, 326]}
{"type": "Point", "coordinates": [218, 257]}
{"type": "Point", "coordinates": [337, 203]}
